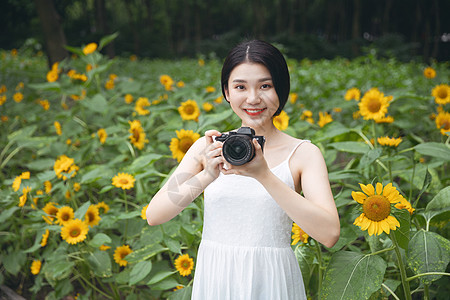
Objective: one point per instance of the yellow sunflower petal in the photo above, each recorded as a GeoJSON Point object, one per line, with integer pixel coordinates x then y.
{"type": "Point", "coordinates": [379, 188]}
{"type": "Point", "coordinates": [365, 223]}
{"type": "Point", "coordinates": [385, 226]}
{"type": "Point", "coordinates": [393, 222]}
{"type": "Point", "coordinates": [368, 189]}
{"type": "Point", "coordinates": [359, 197]}
{"type": "Point", "coordinates": [372, 228]}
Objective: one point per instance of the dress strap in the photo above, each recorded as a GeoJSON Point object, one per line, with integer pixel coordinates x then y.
{"type": "Point", "coordinates": [295, 148]}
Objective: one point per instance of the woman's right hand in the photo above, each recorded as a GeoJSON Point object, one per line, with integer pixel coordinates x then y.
{"type": "Point", "coordinates": [212, 158]}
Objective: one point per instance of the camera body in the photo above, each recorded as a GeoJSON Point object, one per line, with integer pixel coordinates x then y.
{"type": "Point", "coordinates": [238, 146]}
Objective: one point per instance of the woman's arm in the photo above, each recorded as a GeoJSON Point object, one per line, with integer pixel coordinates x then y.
{"type": "Point", "coordinates": [196, 171]}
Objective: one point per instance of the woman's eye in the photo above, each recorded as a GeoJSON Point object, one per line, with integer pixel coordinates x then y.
{"type": "Point", "coordinates": [239, 87]}
{"type": "Point", "coordinates": [266, 86]}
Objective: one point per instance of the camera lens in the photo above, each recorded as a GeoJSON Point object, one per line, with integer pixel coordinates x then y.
{"type": "Point", "coordinates": [238, 150]}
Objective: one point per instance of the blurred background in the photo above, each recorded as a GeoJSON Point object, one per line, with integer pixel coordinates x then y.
{"type": "Point", "coordinates": [314, 29]}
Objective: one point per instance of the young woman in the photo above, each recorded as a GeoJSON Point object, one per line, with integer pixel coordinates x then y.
{"type": "Point", "coordinates": [245, 251]}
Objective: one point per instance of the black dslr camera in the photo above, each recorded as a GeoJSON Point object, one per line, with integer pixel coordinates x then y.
{"type": "Point", "coordinates": [238, 147]}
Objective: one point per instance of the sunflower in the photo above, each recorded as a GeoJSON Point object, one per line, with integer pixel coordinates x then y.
{"type": "Point", "coordinates": [36, 267]}
{"type": "Point", "coordinates": [74, 231]}
{"type": "Point", "coordinates": [441, 94]}
{"type": "Point", "coordinates": [92, 216]}
{"type": "Point", "coordinates": [45, 238]}
{"type": "Point", "coordinates": [210, 89]}
{"type": "Point", "coordinates": [45, 104]}
{"type": "Point", "coordinates": [429, 72]}
{"type": "Point", "coordinates": [24, 197]}
{"type": "Point", "coordinates": [281, 121]}
{"type": "Point", "coordinates": [120, 253]}
{"type": "Point", "coordinates": [374, 104]}
{"type": "Point", "coordinates": [181, 144]}
{"type": "Point", "coordinates": [57, 127]}
{"type": "Point", "coordinates": [65, 164]}
{"type": "Point", "coordinates": [52, 75]}
{"type": "Point", "coordinates": [180, 84]}
{"type": "Point", "coordinates": [141, 103]}
{"type": "Point", "coordinates": [128, 98]}
{"type": "Point", "coordinates": [90, 48]}
{"type": "Point", "coordinates": [293, 97]}
{"type": "Point", "coordinates": [353, 93]}
{"type": "Point", "coordinates": [64, 215]}
{"type": "Point", "coordinates": [324, 119]}
{"type": "Point", "coordinates": [104, 247]}
{"type": "Point", "coordinates": [443, 122]}
{"type": "Point", "coordinates": [298, 235]}
{"type": "Point", "coordinates": [376, 205]}
{"type": "Point", "coordinates": [102, 205]}
{"type": "Point", "coordinates": [18, 97]}
{"type": "Point", "coordinates": [207, 106]}
{"type": "Point", "coordinates": [387, 141]}
{"type": "Point", "coordinates": [48, 186]}
{"type": "Point", "coordinates": [218, 100]}
{"type": "Point", "coordinates": [189, 110]}
{"type": "Point", "coordinates": [124, 181]}
{"type": "Point", "coordinates": [307, 116]}
{"type": "Point", "coordinates": [166, 80]}
{"type": "Point", "coordinates": [143, 212]}
{"type": "Point", "coordinates": [2, 99]}
{"type": "Point", "coordinates": [184, 264]}
{"type": "Point", "coordinates": [102, 135]}
{"type": "Point", "coordinates": [51, 210]}
{"type": "Point", "coordinates": [137, 136]}
{"type": "Point", "coordinates": [76, 186]}
{"type": "Point", "coordinates": [16, 183]}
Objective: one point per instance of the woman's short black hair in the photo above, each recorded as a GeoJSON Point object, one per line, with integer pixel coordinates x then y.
{"type": "Point", "coordinates": [257, 51]}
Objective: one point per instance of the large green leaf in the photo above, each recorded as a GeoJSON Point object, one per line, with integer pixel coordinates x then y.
{"type": "Point", "coordinates": [100, 263]}
{"type": "Point", "coordinates": [440, 201]}
{"type": "Point", "coordinates": [140, 271]}
{"type": "Point", "coordinates": [305, 257]}
{"type": "Point", "coordinates": [351, 275]}
{"type": "Point", "coordinates": [434, 149]}
{"type": "Point", "coordinates": [145, 253]}
{"type": "Point", "coordinates": [402, 233]}
{"type": "Point", "coordinates": [351, 147]}
{"type": "Point", "coordinates": [428, 252]}
{"type": "Point", "coordinates": [97, 103]}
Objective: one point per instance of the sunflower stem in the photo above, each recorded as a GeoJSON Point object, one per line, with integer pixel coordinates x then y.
{"type": "Point", "coordinates": [401, 267]}
{"type": "Point", "coordinates": [126, 211]}
{"type": "Point", "coordinates": [426, 292]}
{"type": "Point", "coordinates": [319, 258]}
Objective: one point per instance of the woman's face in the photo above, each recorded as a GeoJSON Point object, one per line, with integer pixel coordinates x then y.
{"type": "Point", "coordinates": [252, 95]}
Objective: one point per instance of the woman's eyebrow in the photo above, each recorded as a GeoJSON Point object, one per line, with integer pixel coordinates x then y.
{"type": "Point", "coordinates": [259, 80]}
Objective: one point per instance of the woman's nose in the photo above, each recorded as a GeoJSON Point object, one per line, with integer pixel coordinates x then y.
{"type": "Point", "coordinates": [254, 97]}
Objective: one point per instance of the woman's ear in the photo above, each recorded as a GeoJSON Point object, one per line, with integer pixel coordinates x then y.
{"type": "Point", "coordinates": [227, 94]}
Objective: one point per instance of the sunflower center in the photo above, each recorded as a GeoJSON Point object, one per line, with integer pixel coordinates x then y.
{"type": "Point", "coordinates": [442, 93]}
{"type": "Point", "coordinates": [374, 105]}
{"type": "Point", "coordinates": [185, 144]}
{"type": "Point", "coordinates": [377, 208]}
{"type": "Point", "coordinates": [123, 181]}
{"type": "Point", "coordinates": [185, 265]}
{"type": "Point", "coordinates": [74, 233]}
{"type": "Point", "coordinates": [136, 135]}
{"type": "Point", "coordinates": [189, 109]}
{"type": "Point", "coordinates": [90, 217]}
{"type": "Point", "coordinates": [65, 217]}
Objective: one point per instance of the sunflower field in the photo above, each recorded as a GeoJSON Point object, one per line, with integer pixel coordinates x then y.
{"type": "Point", "coordinates": [85, 145]}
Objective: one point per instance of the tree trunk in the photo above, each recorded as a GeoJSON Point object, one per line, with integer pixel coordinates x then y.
{"type": "Point", "coordinates": [437, 29]}
{"type": "Point", "coordinates": [356, 34]}
{"type": "Point", "coordinates": [102, 25]}
{"type": "Point", "coordinates": [55, 40]}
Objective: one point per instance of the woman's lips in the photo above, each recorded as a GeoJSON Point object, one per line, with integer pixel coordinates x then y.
{"type": "Point", "coordinates": [254, 112]}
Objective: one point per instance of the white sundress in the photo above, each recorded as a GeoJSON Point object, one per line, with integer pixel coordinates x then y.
{"type": "Point", "coordinates": [245, 252]}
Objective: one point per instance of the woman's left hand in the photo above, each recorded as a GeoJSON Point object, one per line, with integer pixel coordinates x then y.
{"type": "Point", "coordinates": [257, 166]}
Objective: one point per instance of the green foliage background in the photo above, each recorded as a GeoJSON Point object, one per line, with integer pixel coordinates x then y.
{"type": "Point", "coordinates": [418, 168]}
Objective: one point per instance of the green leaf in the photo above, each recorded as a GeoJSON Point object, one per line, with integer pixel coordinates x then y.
{"type": "Point", "coordinates": [140, 271]}
{"type": "Point", "coordinates": [13, 262]}
{"type": "Point", "coordinates": [428, 252]}
{"type": "Point", "coordinates": [106, 40]}
{"type": "Point", "coordinates": [305, 256]}
{"type": "Point", "coordinates": [79, 214]}
{"type": "Point", "coordinates": [402, 233]}
{"type": "Point", "coordinates": [351, 147]}
{"type": "Point", "coordinates": [47, 86]}
{"type": "Point", "coordinates": [22, 133]}
{"type": "Point", "coordinates": [440, 201]}
{"type": "Point", "coordinates": [129, 215]}
{"type": "Point", "coordinates": [143, 161]}
{"type": "Point", "coordinates": [333, 129]}
{"type": "Point", "coordinates": [213, 119]}
{"type": "Point", "coordinates": [182, 294]}
{"type": "Point", "coordinates": [370, 156]}
{"type": "Point", "coordinates": [173, 245]}
{"type": "Point", "coordinates": [100, 263]}
{"type": "Point", "coordinates": [58, 270]}
{"type": "Point", "coordinates": [145, 253]}
{"type": "Point", "coordinates": [75, 50]}
{"type": "Point", "coordinates": [160, 276]}
{"type": "Point", "coordinates": [97, 172]}
{"type": "Point", "coordinates": [97, 103]}
{"type": "Point", "coordinates": [434, 149]}
{"type": "Point", "coordinates": [166, 284]}
{"type": "Point", "coordinates": [351, 275]}
{"type": "Point", "coordinates": [6, 214]}
{"type": "Point", "coordinates": [41, 164]}
{"type": "Point", "coordinates": [426, 184]}
{"type": "Point", "coordinates": [99, 239]}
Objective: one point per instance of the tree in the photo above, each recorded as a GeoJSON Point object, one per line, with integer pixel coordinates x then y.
{"type": "Point", "coordinates": [55, 39]}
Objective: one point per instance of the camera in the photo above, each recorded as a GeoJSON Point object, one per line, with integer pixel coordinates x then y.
{"type": "Point", "coordinates": [238, 146]}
